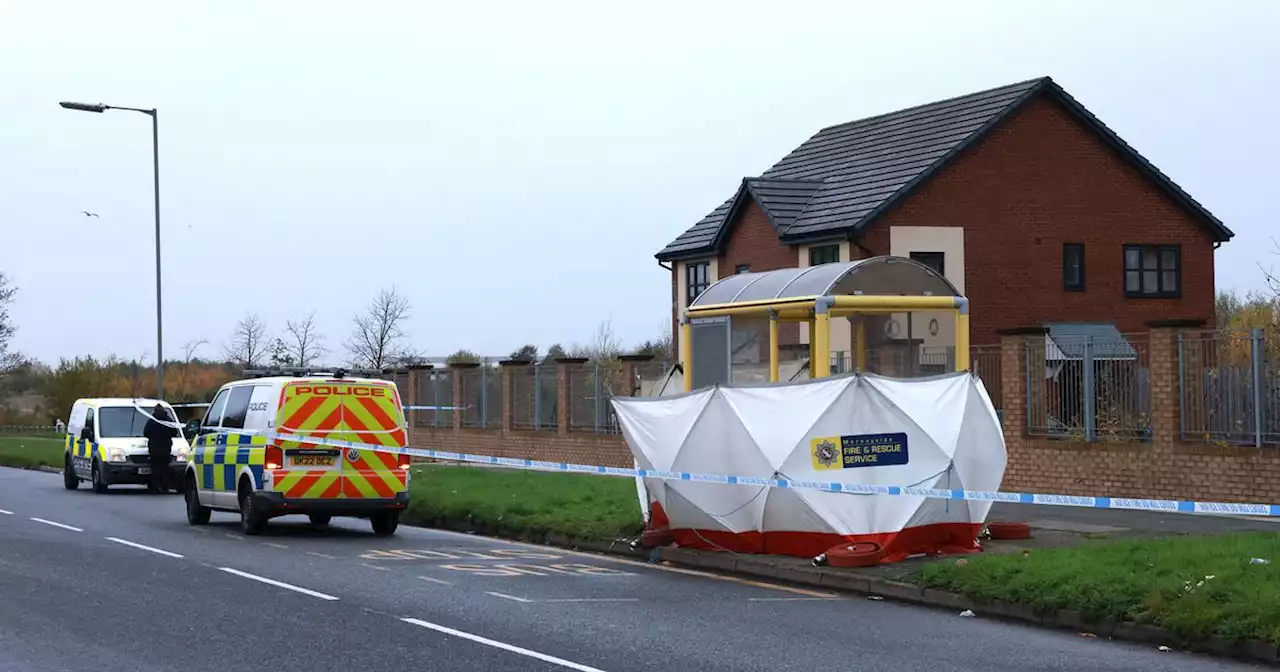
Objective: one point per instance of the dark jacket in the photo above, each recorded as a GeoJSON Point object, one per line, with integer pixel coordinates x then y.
{"type": "Point", "coordinates": [159, 439]}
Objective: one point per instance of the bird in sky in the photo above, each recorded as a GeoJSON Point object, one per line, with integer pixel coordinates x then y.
{"type": "Point", "coordinates": [89, 214]}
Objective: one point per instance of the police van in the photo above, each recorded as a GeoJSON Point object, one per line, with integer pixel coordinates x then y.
{"type": "Point", "coordinates": [261, 451]}
{"type": "Point", "coordinates": [105, 446]}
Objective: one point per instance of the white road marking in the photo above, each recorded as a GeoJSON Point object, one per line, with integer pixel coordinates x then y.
{"type": "Point", "coordinates": [7, 513]}
{"type": "Point", "coordinates": [233, 536]}
{"type": "Point", "coordinates": [273, 545]}
{"type": "Point", "coordinates": [594, 599]}
{"type": "Point", "coordinates": [505, 647]}
{"type": "Point", "coordinates": [322, 555]}
{"type": "Point", "coordinates": [640, 563]}
{"type": "Point", "coordinates": [145, 548]}
{"type": "Point", "coordinates": [791, 599]}
{"type": "Point", "coordinates": [439, 581]}
{"type": "Point", "coordinates": [50, 522]}
{"type": "Point", "coordinates": [381, 569]}
{"type": "Point", "coordinates": [278, 584]}
{"type": "Point", "coordinates": [200, 529]}
{"type": "Point", "coordinates": [513, 598]}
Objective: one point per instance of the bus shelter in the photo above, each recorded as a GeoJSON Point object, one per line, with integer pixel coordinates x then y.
{"type": "Point", "coordinates": [746, 312]}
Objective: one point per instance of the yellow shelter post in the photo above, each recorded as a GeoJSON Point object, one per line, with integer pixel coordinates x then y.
{"type": "Point", "coordinates": [686, 353]}
{"type": "Point", "coordinates": [962, 340]}
{"type": "Point", "coordinates": [773, 346]}
{"type": "Point", "coordinates": [820, 337]}
{"type": "Point", "coordinates": [812, 351]}
{"type": "Point", "coordinates": [862, 344]}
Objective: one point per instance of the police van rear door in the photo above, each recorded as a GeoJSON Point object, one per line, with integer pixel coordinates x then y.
{"type": "Point", "coordinates": [372, 415]}
{"type": "Point", "coordinates": [309, 409]}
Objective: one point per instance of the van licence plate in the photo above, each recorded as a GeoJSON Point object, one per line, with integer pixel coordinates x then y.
{"type": "Point", "coordinates": [312, 460]}
{"type": "Point", "coordinates": [143, 471]}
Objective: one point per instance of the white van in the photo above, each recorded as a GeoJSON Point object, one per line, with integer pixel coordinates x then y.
{"type": "Point", "coordinates": [105, 446]}
{"type": "Point", "coordinates": [242, 464]}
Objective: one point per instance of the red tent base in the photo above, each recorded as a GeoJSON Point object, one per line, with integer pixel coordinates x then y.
{"type": "Point", "coordinates": [938, 538]}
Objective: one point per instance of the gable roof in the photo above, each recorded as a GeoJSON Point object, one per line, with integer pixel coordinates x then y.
{"type": "Point", "coordinates": [843, 177]}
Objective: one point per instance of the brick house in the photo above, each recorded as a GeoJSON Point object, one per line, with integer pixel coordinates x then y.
{"type": "Point", "coordinates": [1023, 199]}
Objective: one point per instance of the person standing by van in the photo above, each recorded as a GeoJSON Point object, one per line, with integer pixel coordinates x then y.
{"type": "Point", "coordinates": [159, 449]}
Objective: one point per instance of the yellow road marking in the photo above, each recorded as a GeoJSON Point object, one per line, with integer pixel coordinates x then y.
{"type": "Point", "coordinates": [646, 565]}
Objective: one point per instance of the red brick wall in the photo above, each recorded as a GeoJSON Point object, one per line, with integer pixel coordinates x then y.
{"type": "Point", "coordinates": [1041, 180]}
{"type": "Point", "coordinates": [1165, 468]}
{"type": "Point", "coordinates": [580, 448]}
{"type": "Point", "coordinates": [754, 241]}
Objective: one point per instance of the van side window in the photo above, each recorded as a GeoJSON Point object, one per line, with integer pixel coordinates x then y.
{"type": "Point", "coordinates": [88, 432]}
{"type": "Point", "coordinates": [237, 407]}
{"type": "Point", "coordinates": [214, 416]}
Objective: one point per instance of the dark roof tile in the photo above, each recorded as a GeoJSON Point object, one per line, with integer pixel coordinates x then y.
{"type": "Point", "coordinates": [845, 175]}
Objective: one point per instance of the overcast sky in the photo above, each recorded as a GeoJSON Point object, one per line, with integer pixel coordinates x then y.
{"type": "Point", "coordinates": [513, 167]}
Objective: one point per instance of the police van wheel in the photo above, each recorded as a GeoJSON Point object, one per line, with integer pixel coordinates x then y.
{"type": "Point", "coordinates": [99, 485]}
{"type": "Point", "coordinates": [196, 514]}
{"type": "Point", "coordinates": [385, 523]}
{"type": "Point", "coordinates": [251, 521]}
{"type": "Point", "coordinates": [320, 519]}
{"type": "Point", "coordinates": [69, 479]}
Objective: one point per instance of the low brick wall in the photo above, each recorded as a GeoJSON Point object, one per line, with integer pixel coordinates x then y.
{"type": "Point", "coordinates": [1162, 468]}
{"type": "Point", "coordinates": [581, 448]}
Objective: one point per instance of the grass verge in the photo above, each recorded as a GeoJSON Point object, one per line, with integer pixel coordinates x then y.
{"type": "Point", "coordinates": [31, 451]}
{"type": "Point", "coordinates": [1194, 586]}
{"type": "Point", "coordinates": [524, 504]}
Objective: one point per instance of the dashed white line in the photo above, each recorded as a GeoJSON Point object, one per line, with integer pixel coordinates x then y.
{"type": "Point", "coordinates": [233, 536]}
{"type": "Point", "coordinates": [145, 548]}
{"type": "Point", "coordinates": [278, 584]}
{"type": "Point", "coordinates": [326, 556]}
{"type": "Point", "coordinates": [433, 580]}
{"type": "Point", "coordinates": [505, 647]}
{"type": "Point", "coordinates": [791, 599]}
{"type": "Point", "coordinates": [50, 522]}
{"type": "Point", "coordinates": [199, 529]}
{"type": "Point", "coordinates": [7, 513]}
{"type": "Point", "coordinates": [593, 599]}
{"type": "Point", "coordinates": [381, 569]}
{"type": "Point", "coordinates": [273, 544]}
{"type": "Point", "coordinates": [505, 596]}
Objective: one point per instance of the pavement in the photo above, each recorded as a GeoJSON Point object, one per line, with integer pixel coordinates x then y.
{"type": "Point", "coordinates": [121, 582]}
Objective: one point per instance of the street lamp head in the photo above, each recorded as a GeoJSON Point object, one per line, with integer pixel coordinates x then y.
{"type": "Point", "coordinates": [84, 107]}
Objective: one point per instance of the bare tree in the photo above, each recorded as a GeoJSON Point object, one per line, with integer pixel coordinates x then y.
{"type": "Point", "coordinates": [1273, 280]}
{"type": "Point", "coordinates": [189, 350]}
{"type": "Point", "coordinates": [305, 345]}
{"type": "Point", "coordinates": [604, 344]}
{"type": "Point", "coordinates": [248, 344]}
{"type": "Point", "coordinates": [8, 359]}
{"type": "Point", "coordinates": [377, 341]}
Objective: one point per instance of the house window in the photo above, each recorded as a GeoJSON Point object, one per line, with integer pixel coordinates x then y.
{"type": "Point", "coordinates": [742, 268]}
{"type": "Point", "coordinates": [1073, 267]}
{"type": "Point", "coordinates": [824, 254]}
{"type": "Point", "coordinates": [1152, 271]}
{"type": "Point", "coordinates": [934, 260]}
{"type": "Point", "coordinates": [697, 277]}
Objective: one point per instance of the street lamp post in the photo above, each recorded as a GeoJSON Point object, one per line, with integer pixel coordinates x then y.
{"type": "Point", "coordinates": [155, 160]}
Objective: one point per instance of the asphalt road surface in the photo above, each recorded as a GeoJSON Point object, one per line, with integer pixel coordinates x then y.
{"type": "Point", "coordinates": [121, 582]}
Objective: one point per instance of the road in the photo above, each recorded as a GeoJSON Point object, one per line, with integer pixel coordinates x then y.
{"type": "Point", "coordinates": [121, 582]}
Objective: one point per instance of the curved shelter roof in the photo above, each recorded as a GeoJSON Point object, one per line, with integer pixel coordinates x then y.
{"type": "Point", "coordinates": [877, 276]}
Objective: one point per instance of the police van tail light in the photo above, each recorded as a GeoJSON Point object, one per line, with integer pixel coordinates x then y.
{"type": "Point", "coordinates": [403, 460]}
{"type": "Point", "coordinates": [275, 458]}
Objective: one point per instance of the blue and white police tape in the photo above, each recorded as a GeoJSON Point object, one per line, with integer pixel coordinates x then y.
{"type": "Point", "coordinates": [1169, 505]}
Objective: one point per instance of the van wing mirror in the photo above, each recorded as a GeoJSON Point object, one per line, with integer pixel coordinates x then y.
{"type": "Point", "coordinates": [193, 426]}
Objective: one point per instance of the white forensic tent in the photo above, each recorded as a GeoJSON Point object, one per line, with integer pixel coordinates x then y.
{"type": "Point", "coordinates": [939, 432]}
